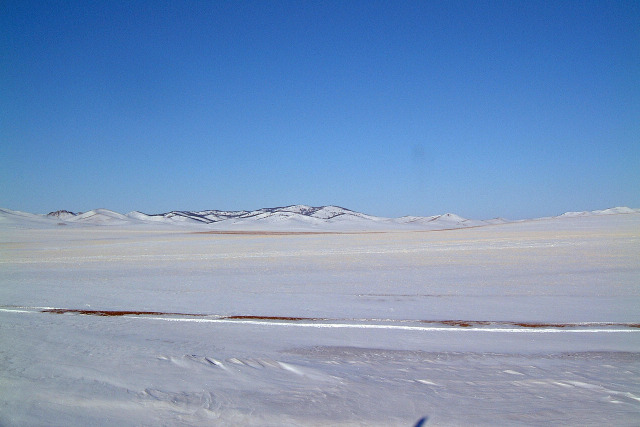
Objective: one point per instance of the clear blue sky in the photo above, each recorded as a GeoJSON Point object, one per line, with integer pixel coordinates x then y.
{"type": "Point", "coordinates": [484, 109]}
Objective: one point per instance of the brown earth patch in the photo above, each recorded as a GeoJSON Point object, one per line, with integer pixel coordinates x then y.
{"type": "Point", "coordinates": [115, 312]}
{"type": "Point", "coordinates": [453, 323]}
{"type": "Point", "coordinates": [470, 323]}
{"type": "Point", "coordinates": [460, 323]}
{"type": "Point", "coordinates": [542, 325]}
{"type": "Point", "coordinates": [281, 233]}
{"type": "Point", "coordinates": [311, 319]}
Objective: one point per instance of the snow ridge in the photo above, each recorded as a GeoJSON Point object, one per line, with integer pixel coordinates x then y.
{"type": "Point", "coordinates": [293, 212]}
{"type": "Point", "coordinates": [289, 218]}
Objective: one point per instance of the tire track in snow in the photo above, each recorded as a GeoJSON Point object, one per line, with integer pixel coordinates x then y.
{"type": "Point", "coordinates": [326, 323]}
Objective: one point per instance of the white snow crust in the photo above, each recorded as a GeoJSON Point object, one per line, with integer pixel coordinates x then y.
{"type": "Point", "coordinates": [139, 319]}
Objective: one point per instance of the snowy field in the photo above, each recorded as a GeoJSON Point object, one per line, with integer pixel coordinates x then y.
{"type": "Point", "coordinates": [524, 323]}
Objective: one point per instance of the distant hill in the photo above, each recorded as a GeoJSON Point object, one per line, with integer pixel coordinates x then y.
{"type": "Point", "coordinates": [294, 217]}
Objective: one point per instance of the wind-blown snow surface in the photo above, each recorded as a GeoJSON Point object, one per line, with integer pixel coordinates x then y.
{"type": "Point", "coordinates": [526, 323]}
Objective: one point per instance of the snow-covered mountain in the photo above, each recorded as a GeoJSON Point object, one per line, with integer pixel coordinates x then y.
{"type": "Point", "coordinates": [293, 218]}
{"type": "Point", "coordinates": [287, 217]}
{"type": "Point", "coordinates": [610, 211]}
{"type": "Point", "coordinates": [323, 213]}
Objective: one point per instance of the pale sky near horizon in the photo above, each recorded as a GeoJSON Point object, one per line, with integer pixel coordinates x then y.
{"type": "Point", "coordinates": [517, 109]}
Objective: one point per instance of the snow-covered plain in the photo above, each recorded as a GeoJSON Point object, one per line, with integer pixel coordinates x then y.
{"type": "Point", "coordinates": [134, 321]}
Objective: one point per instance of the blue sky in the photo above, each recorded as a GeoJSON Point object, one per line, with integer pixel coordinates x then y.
{"type": "Point", "coordinates": [484, 109]}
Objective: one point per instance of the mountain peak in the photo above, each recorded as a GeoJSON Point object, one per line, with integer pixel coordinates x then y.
{"type": "Point", "coordinates": [289, 218]}
{"type": "Point", "coordinates": [62, 214]}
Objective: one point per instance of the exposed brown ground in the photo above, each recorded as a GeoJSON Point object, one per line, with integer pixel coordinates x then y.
{"type": "Point", "coordinates": [310, 319]}
{"type": "Point", "coordinates": [458, 323]}
{"type": "Point", "coordinates": [116, 312]}
{"type": "Point", "coordinates": [470, 323]}
{"type": "Point", "coordinates": [302, 233]}
{"type": "Point", "coordinates": [282, 233]}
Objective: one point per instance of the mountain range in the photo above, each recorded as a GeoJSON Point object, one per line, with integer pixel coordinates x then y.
{"type": "Point", "coordinates": [292, 218]}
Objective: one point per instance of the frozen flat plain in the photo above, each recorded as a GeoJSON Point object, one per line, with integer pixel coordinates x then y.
{"type": "Point", "coordinates": [527, 323]}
